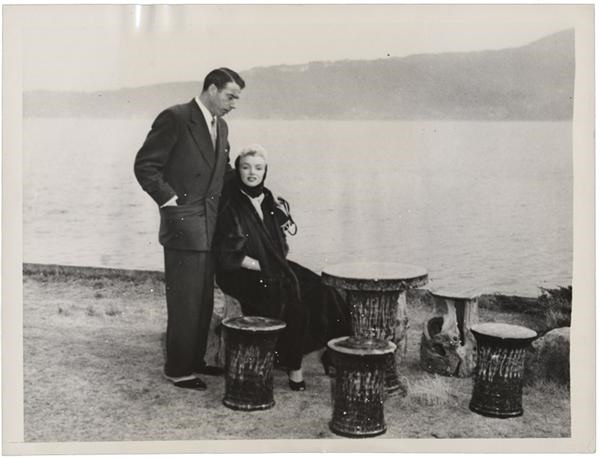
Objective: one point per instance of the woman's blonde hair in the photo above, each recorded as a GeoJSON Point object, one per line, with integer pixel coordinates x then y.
{"type": "Point", "coordinates": [252, 150]}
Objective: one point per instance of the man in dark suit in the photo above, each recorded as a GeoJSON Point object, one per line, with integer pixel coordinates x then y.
{"type": "Point", "coordinates": [182, 165]}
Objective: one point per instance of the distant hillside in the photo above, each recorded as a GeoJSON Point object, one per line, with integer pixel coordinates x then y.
{"type": "Point", "coordinates": [531, 82]}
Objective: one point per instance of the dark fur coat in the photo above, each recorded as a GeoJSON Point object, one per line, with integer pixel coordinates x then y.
{"type": "Point", "coordinates": [280, 283]}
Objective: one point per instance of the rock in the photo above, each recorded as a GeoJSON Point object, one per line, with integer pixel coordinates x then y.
{"type": "Point", "coordinates": [549, 358]}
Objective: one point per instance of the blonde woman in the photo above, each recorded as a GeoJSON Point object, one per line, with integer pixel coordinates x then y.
{"type": "Point", "coordinates": [251, 249]}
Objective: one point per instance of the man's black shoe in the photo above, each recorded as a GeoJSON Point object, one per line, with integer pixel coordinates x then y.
{"type": "Point", "coordinates": [210, 370]}
{"type": "Point", "coordinates": [191, 384]}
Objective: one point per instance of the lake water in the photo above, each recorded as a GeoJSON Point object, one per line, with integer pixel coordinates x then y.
{"type": "Point", "coordinates": [480, 204]}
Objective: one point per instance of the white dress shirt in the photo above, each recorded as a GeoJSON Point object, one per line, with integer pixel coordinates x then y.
{"type": "Point", "coordinates": [208, 117]}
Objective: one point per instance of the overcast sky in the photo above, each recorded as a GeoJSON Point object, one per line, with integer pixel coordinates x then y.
{"type": "Point", "coordinates": [92, 47]}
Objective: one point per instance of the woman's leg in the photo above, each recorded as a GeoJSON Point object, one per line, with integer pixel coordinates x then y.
{"type": "Point", "coordinates": [290, 346]}
{"type": "Point", "coordinates": [329, 315]}
{"type": "Point", "coordinates": [338, 311]}
{"type": "Point", "coordinates": [311, 297]}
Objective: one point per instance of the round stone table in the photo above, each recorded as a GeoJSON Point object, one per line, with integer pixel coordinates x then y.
{"type": "Point", "coordinates": [376, 295]}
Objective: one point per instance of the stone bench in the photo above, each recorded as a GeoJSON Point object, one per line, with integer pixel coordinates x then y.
{"type": "Point", "coordinates": [447, 344]}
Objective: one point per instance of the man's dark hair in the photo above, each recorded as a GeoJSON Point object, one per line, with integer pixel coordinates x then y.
{"type": "Point", "coordinates": [220, 77]}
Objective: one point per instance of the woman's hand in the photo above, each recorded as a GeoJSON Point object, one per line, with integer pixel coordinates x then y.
{"type": "Point", "coordinates": [250, 263]}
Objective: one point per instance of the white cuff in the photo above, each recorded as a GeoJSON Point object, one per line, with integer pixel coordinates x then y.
{"type": "Point", "coordinates": [170, 202]}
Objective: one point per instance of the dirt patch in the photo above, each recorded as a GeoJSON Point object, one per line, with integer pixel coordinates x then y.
{"type": "Point", "coordinates": [92, 372]}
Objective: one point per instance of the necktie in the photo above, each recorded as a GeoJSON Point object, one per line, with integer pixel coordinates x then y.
{"type": "Point", "coordinates": [213, 131]}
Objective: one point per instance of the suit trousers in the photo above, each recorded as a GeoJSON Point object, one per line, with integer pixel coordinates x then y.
{"type": "Point", "coordinates": [189, 281]}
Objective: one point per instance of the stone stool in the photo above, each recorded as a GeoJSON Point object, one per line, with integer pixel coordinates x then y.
{"type": "Point", "coordinates": [249, 350]}
{"type": "Point", "coordinates": [498, 380]}
{"type": "Point", "coordinates": [447, 344]}
{"type": "Point", "coordinates": [359, 393]}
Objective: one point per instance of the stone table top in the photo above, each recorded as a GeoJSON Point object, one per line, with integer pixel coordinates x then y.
{"type": "Point", "coordinates": [450, 293]}
{"type": "Point", "coordinates": [253, 323]}
{"type": "Point", "coordinates": [504, 331]}
{"type": "Point", "coordinates": [361, 346]}
{"type": "Point", "coordinates": [374, 276]}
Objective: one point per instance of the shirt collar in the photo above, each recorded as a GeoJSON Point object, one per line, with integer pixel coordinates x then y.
{"type": "Point", "coordinates": [258, 198]}
{"type": "Point", "coordinates": [208, 117]}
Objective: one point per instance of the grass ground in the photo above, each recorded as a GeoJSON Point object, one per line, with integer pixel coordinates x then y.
{"type": "Point", "coordinates": [92, 372]}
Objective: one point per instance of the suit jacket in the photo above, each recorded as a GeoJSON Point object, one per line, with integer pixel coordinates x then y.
{"type": "Point", "coordinates": [178, 158]}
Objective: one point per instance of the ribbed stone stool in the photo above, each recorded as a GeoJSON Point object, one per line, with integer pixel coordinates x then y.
{"type": "Point", "coordinates": [376, 294]}
{"type": "Point", "coordinates": [359, 392]}
{"type": "Point", "coordinates": [498, 379]}
{"type": "Point", "coordinates": [249, 350]}
{"type": "Point", "coordinates": [447, 344]}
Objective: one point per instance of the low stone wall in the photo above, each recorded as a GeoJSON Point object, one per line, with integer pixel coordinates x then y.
{"type": "Point", "coordinates": [493, 301]}
{"type": "Point", "coordinates": [91, 272]}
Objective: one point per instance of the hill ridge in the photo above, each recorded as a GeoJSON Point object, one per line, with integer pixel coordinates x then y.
{"type": "Point", "coordinates": [531, 82]}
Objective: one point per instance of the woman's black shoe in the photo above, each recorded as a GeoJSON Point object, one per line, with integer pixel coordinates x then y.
{"type": "Point", "coordinates": [297, 386]}
{"type": "Point", "coordinates": [328, 366]}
